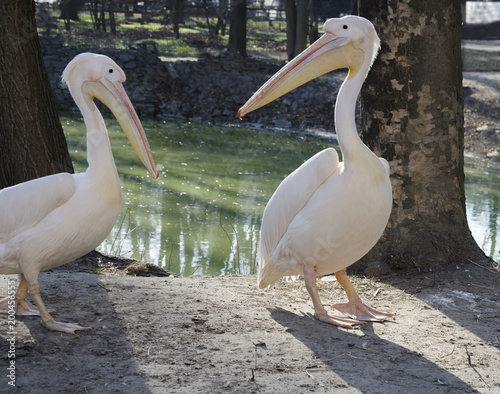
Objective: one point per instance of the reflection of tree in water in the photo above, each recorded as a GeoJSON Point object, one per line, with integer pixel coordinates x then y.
{"type": "Point", "coordinates": [483, 208]}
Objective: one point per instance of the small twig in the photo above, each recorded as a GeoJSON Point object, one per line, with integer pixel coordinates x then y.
{"type": "Point", "coordinates": [469, 361]}
{"type": "Point", "coordinates": [376, 351]}
{"type": "Point", "coordinates": [103, 287]}
{"type": "Point", "coordinates": [361, 358]}
{"type": "Point", "coordinates": [484, 287]}
{"type": "Point", "coordinates": [313, 378]}
{"type": "Point", "coordinates": [483, 267]}
{"type": "Point", "coordinates": [480, 377]}
{"type": "Point", "coordinates": [149, 348]}
{"type": "Point", "coordinates": [452, 350]}
{"type": "Point", "coordinates": [468, 356]}
{"type": "Point", "coordinates": [64, 362]}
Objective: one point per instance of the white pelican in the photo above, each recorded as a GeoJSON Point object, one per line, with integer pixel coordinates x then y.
{"type": "Point", "coordinates": [49, 221]}
{"type": "Point", "coordinates": [326, 215]}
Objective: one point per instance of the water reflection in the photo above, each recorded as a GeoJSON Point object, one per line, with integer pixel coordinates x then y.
{"type": "Point", "coordinates": [482, 193]}
{"type": "Point", "coordinates": [203, 214]}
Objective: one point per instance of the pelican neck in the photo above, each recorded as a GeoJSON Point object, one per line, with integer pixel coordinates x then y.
{"type": "Point", "coordinates": [99, 154]}
{"type": "Point", "coordinates": [345, 113]}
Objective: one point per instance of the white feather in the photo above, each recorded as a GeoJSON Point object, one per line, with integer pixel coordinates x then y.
{"type": "Point", "coordinates": [290, 197]}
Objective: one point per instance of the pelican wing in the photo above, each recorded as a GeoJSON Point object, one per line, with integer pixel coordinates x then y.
{"type": "Point", "coordinates": [24, 205]}
{"type": "Point", "coordinates": [290, 197]}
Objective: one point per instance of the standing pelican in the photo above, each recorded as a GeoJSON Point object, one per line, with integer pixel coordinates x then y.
{"type": "Point", "coordinates": [327, 214]}
{"type": "Point", "coordinates": [49, 221]}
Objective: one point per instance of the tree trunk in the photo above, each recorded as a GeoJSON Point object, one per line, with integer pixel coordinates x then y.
{"type": "Point", "coordinates": [303, 11]}
{"type": "Point", "coordinates": [297, 26]}
{"type": "Point", "coordinates": [412, 115]}
{"type": "Point", "coordinates": [178, 16]}
{"type": "Point", "coordinates": [291, 27]}
{"type": "Point", "coordinates": [238, 27]}
{"type": "Point", "coordinates": [32, 142]}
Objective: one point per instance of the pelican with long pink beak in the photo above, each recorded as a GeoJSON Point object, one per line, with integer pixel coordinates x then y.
{"type": "Point", "coordinates": [50, 221]}
{"type": "Point", "coordinates": [327, 214]}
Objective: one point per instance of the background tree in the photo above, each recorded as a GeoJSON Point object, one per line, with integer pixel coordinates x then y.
{"type": "Point", "coordinates": [178, 16]}
{"type": "Point", "coordinates": [297, 24]}
{"type": "Point", "coordinates": [413, 116]}
{"type": "Point", "coordinates": [32, 142]}
{"type": "Point", "coordinates": [238, 27]}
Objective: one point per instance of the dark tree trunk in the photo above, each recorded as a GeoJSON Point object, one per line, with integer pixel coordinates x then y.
{"type": "Point", "coordinates": [178, 16]}
{"type": "Point", "coordinates": [303, 11]}
{"type": "Point", "coordinates": [297, 26]}
{"type": "Point", "coordinates": [412, 114]}
{"type": "Point", "coordinates": [238, 27]}
{"type": "Point", "coordinates": [291, 27]}
{"type": "Point", "coordinates": [32, 142]}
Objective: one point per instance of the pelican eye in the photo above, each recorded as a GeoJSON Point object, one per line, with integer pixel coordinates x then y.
{"type": "Point", "coordinates": [345, 27]}
{"type": "Point", "coordinates": [110, 71]}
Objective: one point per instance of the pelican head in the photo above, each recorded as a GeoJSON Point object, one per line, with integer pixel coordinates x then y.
{"type": "Point", "coordinates": [350, 42]}
{"type": "Point", "coordinates": [90, 76]}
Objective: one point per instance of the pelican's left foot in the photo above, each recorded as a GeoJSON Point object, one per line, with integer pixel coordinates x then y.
{"type": "Point", "coordinates": [69, 328]}
{"type": "Point", "coordinates": [23, 307]}
{"type": "Point", "coordinates": [26, 308]}
{"type": "Point", "coordinates": [359, 311]}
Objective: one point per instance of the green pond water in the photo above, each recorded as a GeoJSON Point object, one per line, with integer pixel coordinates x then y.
{"type": "Point", "coordinates": [202, 216]}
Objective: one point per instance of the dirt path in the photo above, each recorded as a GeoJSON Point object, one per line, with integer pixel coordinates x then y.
{"type": "Point", "coordinates": [223, 335]}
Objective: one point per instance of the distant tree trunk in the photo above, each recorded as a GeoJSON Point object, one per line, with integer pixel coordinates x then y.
{"type": "Point", "coordinates": [238, 27]}
{"type": "Point", "coordinates": [412, 114]}
{"type": "Point", "coordinates": [297, 23]}
{"type": "Point", "coordinates": [112, 21]}
{"type": "Point", "coordinates": [291, 27]}
{"type": "Point", "coordinates": [32, 142]}
{"type": "Point", "coordinates": [220, 27]}
{"type": "Point", "coordinates": [178, 16]}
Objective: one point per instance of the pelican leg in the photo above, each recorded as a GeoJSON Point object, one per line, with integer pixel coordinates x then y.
{"type": "Point", "coordinates": [319, 311]}
{"type": "Point", "coordinates": [23, 306]}
{"type": "Point", "coordinates": [355, 308]}
{"type": "Point", "coordinates": [47, 320]}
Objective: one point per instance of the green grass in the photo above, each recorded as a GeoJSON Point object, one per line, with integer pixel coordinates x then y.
{"type": "Point", "coordinates": [474, 60]}
{"type": "Point", "coordinates": [194, 40]}
{"type": "Point", "coordinates": [265, 38]}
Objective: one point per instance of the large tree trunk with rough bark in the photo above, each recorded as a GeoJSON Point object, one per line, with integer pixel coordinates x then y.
{"type": "Point", "coordinates": [32, 142]}
{"type": "Point", "coordinates": [412, 115]}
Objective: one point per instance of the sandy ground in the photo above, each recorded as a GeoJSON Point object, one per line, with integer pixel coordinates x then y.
{"type": "Point", "coordinates": [222, 334]}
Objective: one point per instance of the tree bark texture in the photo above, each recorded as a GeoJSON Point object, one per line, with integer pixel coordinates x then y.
{"type": "Point", "coordinates": [32, 142]}
{"type": "Point", "coordinates": [412, 115]}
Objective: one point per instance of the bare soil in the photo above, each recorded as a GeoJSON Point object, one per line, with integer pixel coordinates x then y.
{"type": "Point", "coordinates": [223, 335]}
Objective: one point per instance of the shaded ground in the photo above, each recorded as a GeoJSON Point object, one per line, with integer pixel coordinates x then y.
{"type": "Point", "coordinates": [221, 334]}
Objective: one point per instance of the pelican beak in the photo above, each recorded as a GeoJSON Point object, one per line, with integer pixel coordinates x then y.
{"type": "Point", "coordinates": [113, 95]}
{"type": "Point", "coordinates": [326, 54]}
